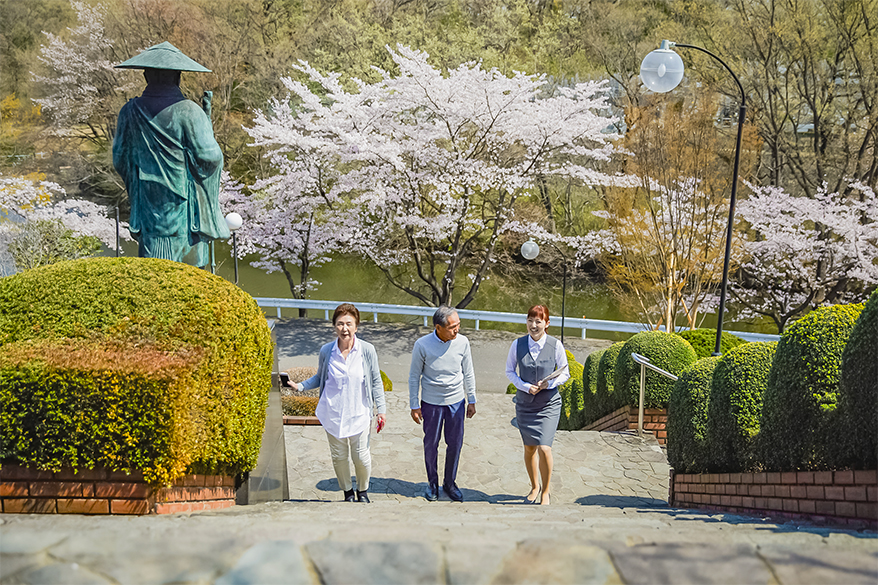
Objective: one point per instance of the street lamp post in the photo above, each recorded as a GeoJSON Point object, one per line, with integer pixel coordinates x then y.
{"type": "Point", "coordinates": [531, 250]}
{"type": "Point", "coordinates": [234, 221]}
{"type": "Point", "coordinates": [661, 71]}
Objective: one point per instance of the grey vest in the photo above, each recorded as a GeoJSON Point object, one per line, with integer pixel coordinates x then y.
{"type": "Point", "coordinates": [532, 371]}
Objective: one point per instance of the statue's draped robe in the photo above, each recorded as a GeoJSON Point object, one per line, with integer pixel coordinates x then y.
{"type": "Point", "coordinates": [166, 153]}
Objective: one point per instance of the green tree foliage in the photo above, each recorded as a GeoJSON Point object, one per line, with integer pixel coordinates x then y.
{"type": "Point", "coordinates": [735, 407]}
{"type": "Point", "coordinates": [39, 243]}
{"type": "Point", "coordinates": [799, 422]}
{"type": "Point", "coordinates": [858, 391]}
{"type": "Point", "coordinates": [687, 417]}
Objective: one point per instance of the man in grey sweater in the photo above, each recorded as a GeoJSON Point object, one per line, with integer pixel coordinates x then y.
{"type": "Point", "coordinates": [442, 374]}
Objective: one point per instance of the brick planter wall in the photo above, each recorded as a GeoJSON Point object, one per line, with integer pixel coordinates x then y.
{"type": "Point", "coordinates": [28, 491]}
{"type": "Point", "coordinates": [839, 497]}
{"type": "Point", "coordinates": [625, 418]}
{"type": "Point", "coordinates": [300, 420]}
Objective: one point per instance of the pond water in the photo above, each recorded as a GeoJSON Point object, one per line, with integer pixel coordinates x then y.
{"type": "Point", "coordinates": [348, 279]}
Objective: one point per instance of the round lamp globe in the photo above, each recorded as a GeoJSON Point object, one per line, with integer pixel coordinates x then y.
{"type": "Point", "coordinates": [530, 250]}
{"type": "Point", "coordinates": [234, 221]}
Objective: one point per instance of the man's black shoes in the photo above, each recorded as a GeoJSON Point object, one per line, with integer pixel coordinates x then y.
{"type": "Point", "coordinates": [349, 496]}
{"type": "Point", "coordinates": [432, 493]}
{"type": "Point", "coordinates": [453, 492]}
{"type": "Point", "coordinates": [363, 497]}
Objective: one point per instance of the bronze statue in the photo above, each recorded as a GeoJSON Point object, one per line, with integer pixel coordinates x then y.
{"type": "Point", "coordinates": [171, 164]}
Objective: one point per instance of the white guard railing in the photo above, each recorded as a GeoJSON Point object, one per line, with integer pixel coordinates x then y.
{"type": "Point", "coordinates": [427, 313]}
{"type": "Point", "coordinates": [645, 363]}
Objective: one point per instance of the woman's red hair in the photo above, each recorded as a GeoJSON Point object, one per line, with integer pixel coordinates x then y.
{"type": "Point", "coordinates": [539, 311]}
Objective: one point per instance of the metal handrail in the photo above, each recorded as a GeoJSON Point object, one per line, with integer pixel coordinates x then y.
{"type": "Point", "coordinates": [498, 317]}
{"type": "Point", "coordinates": [645, 363]}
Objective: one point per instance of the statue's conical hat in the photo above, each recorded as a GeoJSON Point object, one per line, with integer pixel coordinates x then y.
{"type": "Point", "coordinates": [162, 56]}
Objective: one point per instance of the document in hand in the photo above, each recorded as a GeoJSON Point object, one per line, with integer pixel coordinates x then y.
{"type": "Point", "coordinates": [553, 375]}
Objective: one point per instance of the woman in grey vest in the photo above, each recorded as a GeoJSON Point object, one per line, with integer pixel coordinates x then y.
{"type": "Point", "coordinates": [542, 367]}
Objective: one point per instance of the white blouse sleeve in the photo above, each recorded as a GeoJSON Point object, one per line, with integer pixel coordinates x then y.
{"type": "Point", "coordinates": [511, 362]}
{"type": "Point", "coordinates": [560, 362]}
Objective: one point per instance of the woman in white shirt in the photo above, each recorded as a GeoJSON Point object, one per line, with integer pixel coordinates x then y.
{"type": "Point", "coordinates": [350, 385]}
{"type": "Point", "coordinates": [541, 362]}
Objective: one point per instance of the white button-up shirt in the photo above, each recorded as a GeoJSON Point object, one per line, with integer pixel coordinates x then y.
{"type": "Point", "coordinates": [344, 409]}
{"type": "Point", "coordinates": [534, 348]}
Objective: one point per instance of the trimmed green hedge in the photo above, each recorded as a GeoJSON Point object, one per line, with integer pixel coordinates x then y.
{"type": "Point", "coordinates": [687, 417]}
{"type": "Point", "coordinates": [703, 341]}
{"type": "Point", "coordinates": [574, 390]}
{"type": "Point", "coordinates": [605, 397]}
{"type": "Point", "coordinates": [589, 387]}
{"type": "Point", "coordinates": [388, 385]}
{"type": "Point", "coordinates": [82, 307]}
{"type": "Point", "coordinates": [664, 350]}
{"type": "Point", "coordinates": [735, 408]}
{"type": "Point", "coordinates": [858, 391]}
{"type": "Point", "coordinates": [799, 422]}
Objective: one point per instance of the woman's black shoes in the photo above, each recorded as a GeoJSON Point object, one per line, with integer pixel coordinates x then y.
{"type": "Point", "coordinates": [349, 496]}
{"type": "Point", "coordinates": [363, 497]}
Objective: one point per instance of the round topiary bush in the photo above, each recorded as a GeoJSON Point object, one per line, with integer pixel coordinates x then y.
{"type": "Point", "coordinates": [664, 350]}
{"type": "Point", "coordinates": [799, 407]}
{"type": "Point", "coordinates": [735, 407]}
{"type": "Point", "coordinates": [574, 389]}
{"type": "Point", "coordinates": [703, 341]}
{"type": "Point", "coordinates": [590, 384]}
{"type": "Point", "coordinates": [130, 322]}
{"type": "Point", "coordinates": [605, 398]}
{"type": "Point", "coordinates": [858, 390]}
{"type": "Point", "coordinates": [687, 417]}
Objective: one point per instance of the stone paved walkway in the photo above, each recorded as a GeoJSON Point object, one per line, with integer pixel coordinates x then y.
{"type": "Point", "coordinates": [591, 468]}
{"type": "Point", "coordinates": [609, 521]}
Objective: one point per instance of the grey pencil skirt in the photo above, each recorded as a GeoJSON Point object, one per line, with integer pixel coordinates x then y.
{"type": "Point", "coordinates": [538, 419]}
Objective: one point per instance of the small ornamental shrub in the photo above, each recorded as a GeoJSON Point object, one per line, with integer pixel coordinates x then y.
{"type": "Point", "coordinates": [388, 385]}
{"type": "Point", "coordinates": [858, 391]}
{"type": "Point", "coordinates": [687, 417]}
{"type": "Point", "coordinates": [799, 407]}
{"type": "Point", "coordinates": [85, 404]}
{"type": "Point", "coordinates": [573, 388]}
{"type": "Point", "coordinates": [299, 405]}
{"type": "Point", "coordinates": [664, 350]}
{"type": "Point", "coordinates": [735, 407]}
{"type": "Point", "coordinates": [703, 341]}
{"type": "Point", "coordinates": [211, 424]}
{"type": "Point", "coordinates": [605, 397]}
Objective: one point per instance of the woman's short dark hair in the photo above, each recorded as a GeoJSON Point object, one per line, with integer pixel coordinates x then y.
{"type": "Point", "coordinates": [539, 311]}
{"type": "Point", "coordinates": [440, 317]}
{"type": "Point", "coordinates": [346, 309]}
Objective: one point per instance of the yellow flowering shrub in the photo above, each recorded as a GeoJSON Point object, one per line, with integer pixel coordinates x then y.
{"type": "Point", "coordinates": [131, 364]}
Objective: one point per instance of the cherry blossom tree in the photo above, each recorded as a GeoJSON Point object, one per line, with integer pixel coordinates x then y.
{"type": "Point", "coordinates": [288, 220]}
{"type": "Point", "coordinates": [38, 225]}
{"type": "Point", "coordinates": [82, 91]}
{"type": "Point", "coordinates": [800, 252]}
{"type": "Point", "coordinates": [429, 165]}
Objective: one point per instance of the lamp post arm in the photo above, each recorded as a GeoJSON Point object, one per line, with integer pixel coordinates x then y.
{"type": "Point", "coordinates": [729, 69]}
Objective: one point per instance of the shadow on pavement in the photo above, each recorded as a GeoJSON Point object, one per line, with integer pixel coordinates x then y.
{"type": "Point", "coordinates": [609, 501]}
{"type": "Point", "coordinates": [408, 489]}
{"type": "Point", "coordinates": [766, 520]}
